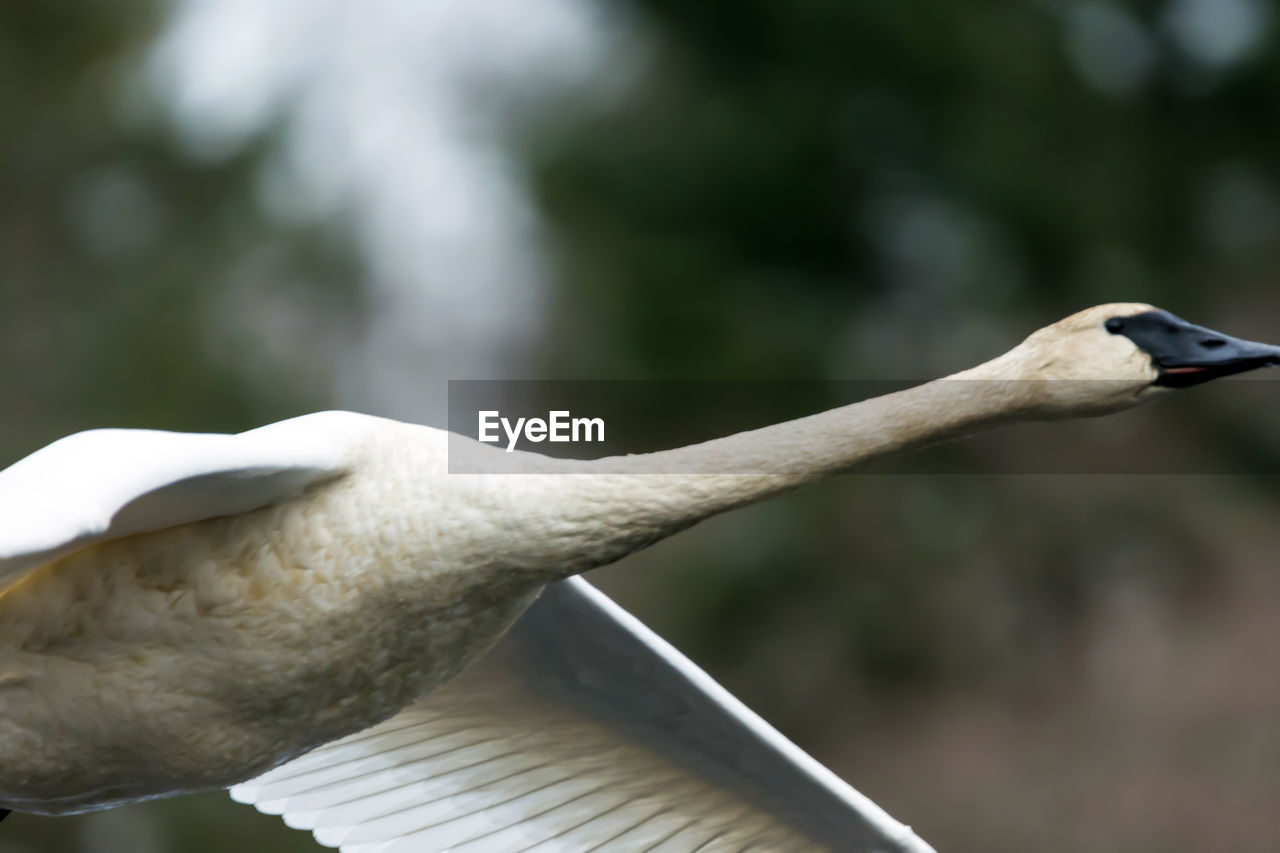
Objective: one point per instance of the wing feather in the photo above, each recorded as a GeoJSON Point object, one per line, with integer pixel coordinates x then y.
{"type": "Point", "coordinates": [108, 483]}
{"type": "Point", "coordinates": [581, 731]}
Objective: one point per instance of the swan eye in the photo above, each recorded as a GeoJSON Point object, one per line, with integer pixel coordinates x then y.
{"type": "Point", "coordinates": [1114, 325]}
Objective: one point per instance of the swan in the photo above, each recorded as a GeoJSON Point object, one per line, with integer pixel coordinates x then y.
{"type": "Point", "coordinates": [273, 612]}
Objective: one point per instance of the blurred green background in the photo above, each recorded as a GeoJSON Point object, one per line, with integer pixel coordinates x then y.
{"type": "Point", "coordinates": [218, 214]}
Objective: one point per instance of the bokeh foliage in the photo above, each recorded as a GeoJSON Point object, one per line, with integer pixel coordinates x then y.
{"type": "Point", "coordinates": [786, 168]}
{"type": "Point", "coordinates": [123, 261]}
{"type": "Point", "coordinates": [898, 190]}
{"type": "Point", "coordinates": [885, 189]}
{"type": "Point", "coordinates": [124, 266]}
{"type": "Point", "coordinates": [808, 189]}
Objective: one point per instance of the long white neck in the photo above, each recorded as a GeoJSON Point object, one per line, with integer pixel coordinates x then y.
{"type": "Point", "coordinates": [586, 514]}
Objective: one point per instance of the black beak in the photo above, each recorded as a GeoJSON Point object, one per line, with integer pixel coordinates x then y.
{"type": "Point", "coordinates": [1186, 354]}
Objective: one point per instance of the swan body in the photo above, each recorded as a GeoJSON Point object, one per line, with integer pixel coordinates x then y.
{"type": "Point", "coordinates": [254, 630]}
{"type": "Point", "coordinates": [183, 612]}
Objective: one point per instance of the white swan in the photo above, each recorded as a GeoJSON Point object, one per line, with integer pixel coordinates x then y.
{"type": "Point", "coordinates": [182, 612]}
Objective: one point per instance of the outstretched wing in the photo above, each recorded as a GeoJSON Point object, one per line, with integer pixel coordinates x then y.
{"type": "Point", "coordinates": [107, 483]}
{"type": "Point", "coordinates": [581, 731]}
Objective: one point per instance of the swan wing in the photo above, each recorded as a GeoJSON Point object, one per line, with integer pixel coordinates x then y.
{"type": "Point", "coordinates": [581, 731]}
{"type": "Point", "coordinates": [108, 483]}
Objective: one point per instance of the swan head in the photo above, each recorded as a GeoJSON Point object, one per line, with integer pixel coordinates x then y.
{"type": "Point", "coordinates": [1111, 357]}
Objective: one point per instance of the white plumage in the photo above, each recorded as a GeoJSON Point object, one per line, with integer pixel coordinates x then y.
{"type": "Point", "coordinates": [185, 612]}
{"type": "Point", "coordinates": [581, 730]}
{"type": "Point", "coordinates": [109, 483]}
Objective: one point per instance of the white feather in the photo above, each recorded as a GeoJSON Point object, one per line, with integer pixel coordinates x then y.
{"type": "Point", "coordinates": [514, 756]}
{"type": "Point", "coordinates": [108, 483]}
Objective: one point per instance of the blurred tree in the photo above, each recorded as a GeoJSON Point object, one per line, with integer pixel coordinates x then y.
{"type": "Point", "coordinates": [813, 189]}
{"type": "Point", "coordinates": [901, 189]}
{"type": "Point", "coordinates": [792, 166]}
{"type": "Point", "coordinates": [142, 288]}
{"type": "Point", "coordinates": [125, 265]}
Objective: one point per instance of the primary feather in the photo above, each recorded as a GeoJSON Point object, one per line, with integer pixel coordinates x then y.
{"type": "Point", "coordinates": [582, 730]}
